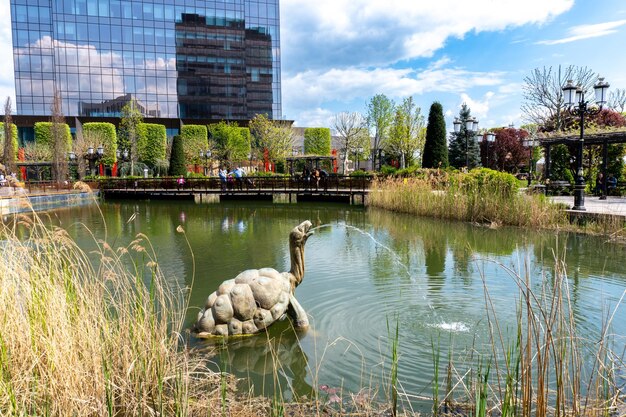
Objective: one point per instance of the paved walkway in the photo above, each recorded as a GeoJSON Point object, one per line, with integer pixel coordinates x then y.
{"type": "Point", "coordinates": [612, 205]}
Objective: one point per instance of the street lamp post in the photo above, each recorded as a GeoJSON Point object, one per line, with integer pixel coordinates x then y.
{"type": "Point", "coordinates": [206, 155]}
{"type": "Point", "coordinates": [92, 156]}
{"type": "Point", "coordinates": [471, 127]}
{"type": "Point", "coordinates": [490, 138]}
{"type": "Point", "coordinates": [575, 101]}
{"type": "Point", "coordinates": [530, 143]}
{"type": "Point", "coordinates": [359, 152]}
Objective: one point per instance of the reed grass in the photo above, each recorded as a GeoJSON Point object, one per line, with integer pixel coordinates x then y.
{"type": "Point", "coordinates": [546, 368]}
{"type": "Point", "coordinates": [93, 334]}
{"type": "Point", "coordinates": [454, 197]}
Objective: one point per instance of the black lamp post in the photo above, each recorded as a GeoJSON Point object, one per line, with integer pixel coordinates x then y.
{"type": "Point", "coordinates": [123, 155]}
{"type": "Point", "coordinates": [471, 127]}
{"type": "Point", "coordinates": [575, 101]}
{"type": "Point", "coordinates": [490, 138]}
{"type": "Point", "coordinates": [207, 156]}
{"type": "Point", "coordinates": [530, 143]}
{"type": "Point", "coordinates": [92, 156]}
{"type": "Point", "coordinates": [358, 151]}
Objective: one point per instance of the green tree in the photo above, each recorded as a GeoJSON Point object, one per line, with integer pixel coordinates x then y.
{"type": "Point", "coordinates": [273, 136]}
{"type": "Point", "coordinates": [436, 144]}
{"type": "Point", "coordinates": [9, 130]}
{"type": "Point", "coordinates": [406, 138]}
{"type": "Point", "coordinates": [230, 142]}
{"type": "Point", "coordinates": [380, 115]}
{"type": "Point", "coordinates": [130, 119]}
{"type": "Point", "coordinates": [177, 158]}
{"type": "Point", "coordinates": [317, 141]}
{"type": "Point", "coordinates": [464, 150]}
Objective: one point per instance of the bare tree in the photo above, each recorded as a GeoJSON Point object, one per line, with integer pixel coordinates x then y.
{"type": "Point", "coordinates": [60, 145]}
{"type": "Point", "coordinates": [8, 154]}
{"type": "Point", "coordinates": [543, 92]}
{"type": "Point", "coordinates": [352, 129]}
{"type": "Point", "coordinates": [617, 100]}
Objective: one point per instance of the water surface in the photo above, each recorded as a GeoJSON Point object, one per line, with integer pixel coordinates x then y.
{"type": "Point", "coordinates": [366, 272]}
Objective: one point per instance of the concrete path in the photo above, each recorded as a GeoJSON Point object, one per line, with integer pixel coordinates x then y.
{"type": "Point", "coordinates": [612, 205]}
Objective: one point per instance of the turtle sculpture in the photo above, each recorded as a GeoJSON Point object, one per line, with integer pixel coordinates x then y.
{"type": "Point", "coordinates": [256, 298]}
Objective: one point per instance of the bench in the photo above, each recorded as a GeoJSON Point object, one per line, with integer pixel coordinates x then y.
{"type": "Point", "coordinates": [617, 190]}
{"type": "Point", "coordinates": [559, 187]}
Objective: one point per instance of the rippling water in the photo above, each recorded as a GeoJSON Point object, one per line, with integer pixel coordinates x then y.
{"type": "Point", "coordinates": [366, 272]}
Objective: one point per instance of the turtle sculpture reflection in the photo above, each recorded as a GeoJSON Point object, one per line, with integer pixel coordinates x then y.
{"type": "Point", "coordinates": [256, 298]}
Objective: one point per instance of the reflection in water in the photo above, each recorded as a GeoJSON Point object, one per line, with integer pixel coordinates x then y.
{"type": "Point", "coordinates": [274, 358]}
{"type": "Point", "coordinates": [367, 269]}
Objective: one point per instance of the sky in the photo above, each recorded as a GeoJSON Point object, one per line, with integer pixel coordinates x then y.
{"type": "Point", "coordinates": [337, 54]}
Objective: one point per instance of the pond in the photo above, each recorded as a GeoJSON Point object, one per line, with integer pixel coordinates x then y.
{"type": "Point", "coordinates": [367, 271]}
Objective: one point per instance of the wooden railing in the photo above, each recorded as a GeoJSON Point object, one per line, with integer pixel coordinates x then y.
{"type": "Point", "coordinates": [246, 184]}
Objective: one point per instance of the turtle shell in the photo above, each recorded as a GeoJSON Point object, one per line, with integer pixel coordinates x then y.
{"type": "Point", "coordinates": [250, 302]}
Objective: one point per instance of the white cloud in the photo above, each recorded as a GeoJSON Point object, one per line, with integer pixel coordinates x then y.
{"type": "Point", "coordinates": [479, 107]}
{"type": "Point", "coordinates": [381, 32]}
{"type": "Point", "coordinates": [587, 31]}
{"type": "Point", "coordinates": [315, 117]}
{"type": "Point", "coordinates": [311, 88]}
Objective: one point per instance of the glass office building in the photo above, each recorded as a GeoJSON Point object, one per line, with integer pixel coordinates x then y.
{"type": "Point", "coordinates": [215, 59]}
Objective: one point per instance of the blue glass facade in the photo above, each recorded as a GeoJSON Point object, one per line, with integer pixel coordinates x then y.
{"type": "Point", "coordinates": [216, 59]}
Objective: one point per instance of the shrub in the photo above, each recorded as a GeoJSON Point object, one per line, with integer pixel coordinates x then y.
{"type": "Point", "coordinates": [43, 134]}
{"type": "Point", "coordinates": [177, 158]}
{"type": "Point", "coordinates": [13, 135]}
{"type": "Point", "coordinates": [194, 139]}
{"type": "Point", "coordinates": [106, 133]}
{"type": "Point", "coordinates": [151, 143]}
{"type": "Point", "coordinates": [317, 141]}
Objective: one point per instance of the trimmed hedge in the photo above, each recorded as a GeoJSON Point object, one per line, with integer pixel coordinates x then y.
{"type": "Point", "coordinates": [195, 139]}
{"type": "Point", "coordinates": [151, 143]}
{"type": "Point", "coordinates": [43, 134]}
{"type": "Point", "coordinates": [13, 135]}
{"type": "Point", "coordinates": [317, 141]}
{"type": "Point", "coordinates": [107, 135]}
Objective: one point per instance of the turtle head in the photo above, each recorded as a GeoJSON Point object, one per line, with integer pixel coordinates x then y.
{"type": "Point", "coordinates": [297, 239]}
{"type": "Point", "coordinates": [300, 234]}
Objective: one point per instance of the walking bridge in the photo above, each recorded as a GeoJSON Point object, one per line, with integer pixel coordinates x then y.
{"type": "Point", "coordinates": [336, 188]}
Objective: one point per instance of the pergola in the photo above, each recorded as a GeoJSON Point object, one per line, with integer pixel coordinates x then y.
{"type": "Point", "coordinates": [593, 139]}
{"type": "Point", "coordinates": [311, 161]}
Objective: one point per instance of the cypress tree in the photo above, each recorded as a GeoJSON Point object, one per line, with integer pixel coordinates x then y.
{"type": "Point", "coordinates": [436, 146]}
{"type": "Point", "coordinates": [177, 158]}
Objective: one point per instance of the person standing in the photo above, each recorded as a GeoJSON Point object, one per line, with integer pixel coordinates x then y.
{"type": "Point", "coordinates": [222, 173]}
